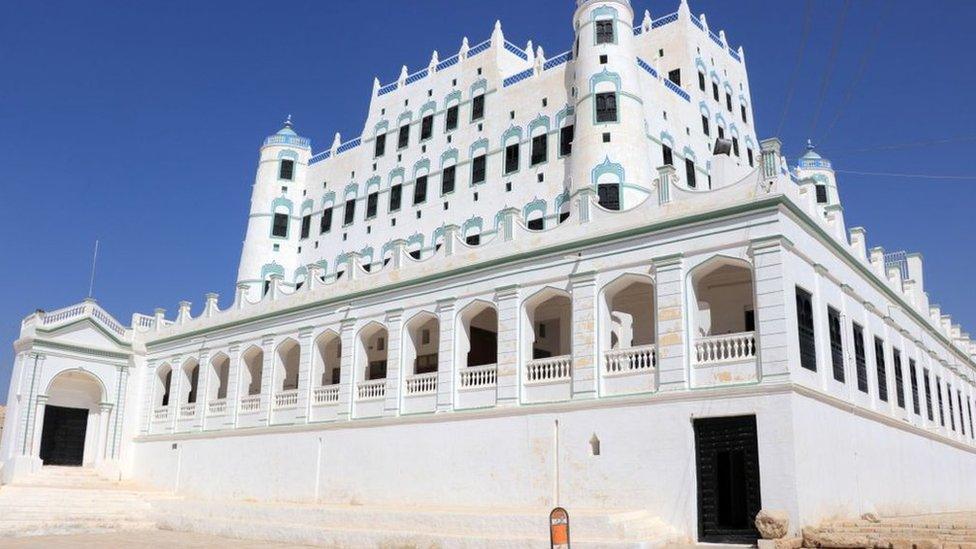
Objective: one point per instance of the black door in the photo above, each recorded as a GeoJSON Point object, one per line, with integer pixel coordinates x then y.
{"type": "Point", "coordinates": [63, 438]}
{"type": "Point", "coordinates": [727, 456]}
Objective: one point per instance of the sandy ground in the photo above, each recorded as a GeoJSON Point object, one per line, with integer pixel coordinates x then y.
{"type": "Point", "coordinates": [138, 540]}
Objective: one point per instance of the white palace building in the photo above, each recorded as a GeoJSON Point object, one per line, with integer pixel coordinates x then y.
{"type": "Point", "coordinates": [533, 280]}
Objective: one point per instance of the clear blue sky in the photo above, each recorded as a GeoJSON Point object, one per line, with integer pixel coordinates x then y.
{"type": "Point", "coordinates": [138, 123]}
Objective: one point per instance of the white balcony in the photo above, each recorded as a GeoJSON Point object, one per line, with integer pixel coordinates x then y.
{"type": "Point", "coordinates": [373, 389]}
{"type": "Point", "coordinates": [161, 413]}
{"type": "Point", "coordinates": [328, 394]}
{"type": "Point", "coordinates": [632, 360]}
{"type": "Point", "coordinates": [549, 370]}
{"type": "Point", "coordinates": [479, 377]}
{"type": "Point", "coordinates": [286, 399]}
{"type": "Point", "coordinates": [250, 404]}
{"type": "Point", "coordinates": [422, 384]}
{"type": "Point", "coordinates": [217, 407]}
{"type": "Point", "coordinates": [725, 348]}
{"type": "Point", "coordinates": [188, 411]}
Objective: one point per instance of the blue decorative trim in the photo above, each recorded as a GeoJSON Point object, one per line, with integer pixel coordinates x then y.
{"type": "Point", "coordinates": [647, 67]}
{"type": "Point", "coordinates": [422, 164]}
{"type": "Point", "coordinates": [478, 145]}
{"type": "Point", "coordinates": [288, 154]}
{"type": "Point", "coordinates": [540, 121]}
{"type": "Point", "coordinates": [373, 182]}
{"type": "Point", "coordinates": [449, 154]}
{"type": "Point", "coordinates": [479, 48]}
{"type": "Point", "coordinates": [397, 172]}
{"type": "Point", "coordinates": [351, 188]}
{"type": "Point", "coordinates": [281, 201]}
{"type": "Point", "coordinates": [670, 18]}
{"type": "Point", "coordinates": [558, 60]}
{"type": "Point", "coordinates": [416, 76]}
{"type": "Point", "coordinates": [454, 96]}
{"type": "Point", "coordinates": [480, 85]}
{"type": "Point", "coordinates": [677, 89]}
{"type": "Point", "coordinates": [324, 155]}
{"type": "Point", "coordinates": [428, 106]}
{"type": "Point", "coordinates": [387, 89]}
{"type": "Point", "coordinates": [514, 131]}
{"type": "Point", "coordinates": [450, 61]}
{"type": "Point", "coordinates": [607, 167]}
{"type": "Point", "coordinates": [349, 145]}
{"type": "Point", "coordinates": [270, 269]}
{"type": "Point", "coordinates": [516, 50]}
{"type": "Point", "coordinates": [605, 76]}
{"type": "Point", "coordinates": [328, 198]}
{"type": "Point", "coordinates": [517, 77]}
{"type": "Point", "coordinates": [536, 205]}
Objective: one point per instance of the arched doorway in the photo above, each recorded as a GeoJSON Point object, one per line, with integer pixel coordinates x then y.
{"type": "Point", "coordinates": [72, 414]}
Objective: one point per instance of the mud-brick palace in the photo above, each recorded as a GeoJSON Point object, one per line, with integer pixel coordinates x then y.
{"type": "Point", "coordinates": [533, 279]}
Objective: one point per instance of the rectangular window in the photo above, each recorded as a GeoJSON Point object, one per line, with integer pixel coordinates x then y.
{"type": "Point", "coordinates": [899, 378]}
{"type": "Point", "coordinates": [742, 109]}
{"type": "Point", "coordinates": [938, 393]}
{"type": "Point", "coordinates": [325, 225]}
{"type": "Point", "coordinates": [478, 107]}
{"type": "Point", "coordinates": [690, 173]}
{"type": "Point", "coordinates": [860, 363]}
{"type": "Point", "coordinates": [371, 202]}
{"type": "Point", "coordinates": [604, 31]}
{"type": "Point", "coordinates": [715, 90]}
{"type": "Point", "coordinates": [735, 145]}
{"type": "Point", "coordinates": [306, 225]}
{"type": "Point", "coordinates": [701, 80]}
{"type": "Point", "coordinates": [969, 408]}
{"type": "Point", "coordinates": [566, 140]}
{"type": "Point", "coordinates": [452, 118]}
{"type": "Point", "coordinates": [420, 190]}
{"type": "Point", "coordinates": [721, 132]}
{"type": "Point", "coordinates": [606, 107]}
{"type": "Point", "coordinates": [609, 195]}
{"type": "Point", "coordinates": [403, 139]}
{"type": "Point", "coordinates": [668, 155]}
{"type": "Point", "coordinates": [286, 170]}
{"type": "Point", "coordinates": [804, 321]}
{"type": "Point", "coordinates": [952, 410]}
{"type": "Point", "coordinates": [675, 76]}
{"type": "Point", "coordinates": [473, 239]}
{"type": "Point", "coordinates": [705, 125]}
{"type": "Point", "coordinates": [879, 361]}
{"type": "Point", "coordinates": [836, 343]}
{"type": "Point", "coordinates": [927, 385]}
{"type": "Point", "coordinates": [536, 224]}
{"type": "Point", "coordinates": [728, 101]}
{"type": "Point", "coordinates": [821, 194]}
{"type": "Point", "coordinates": [962, 420]}
{"type": "Point", "coordinates": [280, 225]}
{"type": "Point", "coordinates": [447, 180]}
{"type": "Point", "coordinates": [349, 212]}
{"type": "Point", "coordinates": [427, 127]}
{"type": "Point", "coordinates": [540, 146]}
{"type": "Point", "coordinates": [380, 148]}
{"type": "Point", "coordinates": [478, 169]}
{"type": "Point", "coordinates": [396, 192]}
{"type": "Point", "coordinates": [749, 155]}
{"type": "Point", "coordinates": [912, 371]}
{"type": "Point", "coordinates": [511, 158]}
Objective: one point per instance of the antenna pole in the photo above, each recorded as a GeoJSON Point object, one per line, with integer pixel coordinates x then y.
{"type": "Point", "coordinates": [91, 280]}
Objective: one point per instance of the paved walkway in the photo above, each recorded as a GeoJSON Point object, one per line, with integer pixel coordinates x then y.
{"type": "Point", "coordinates": [138, 540]}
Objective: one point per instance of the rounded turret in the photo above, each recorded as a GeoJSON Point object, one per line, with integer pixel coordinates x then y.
{"type": "Point", "coordinates": [271, 242]}
{"type": "Point", "coordinates": [609, 147]}
{"type": "Point", "coordinates": [812, 165]}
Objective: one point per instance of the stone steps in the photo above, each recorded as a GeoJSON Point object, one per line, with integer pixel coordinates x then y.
{"type": "Point", "coordinates": [361, 526]}
{"type": "Point", "coordinates": [941, 530]}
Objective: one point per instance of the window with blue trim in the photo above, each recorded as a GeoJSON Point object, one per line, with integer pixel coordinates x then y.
{"type": "Point", "coordinates": [478, 168]}
{"type": "Point", "coordinates": [447, 179]}
{"type": "Point", "coordinates": [604, 31]}
{"type": "Point", "coordinates": [540, 148]}
{"type": "Point", "coordinates": [606, 107]}
{"type": "Point", "coordinates": [427, 127]}
{"type": "Point", "coordinates": [279, 225]}
{"type": "Point", "coordinates": [325, 225]}
{"type": "Point", "coordinates": [420, 190]}
{"type": "Point", "coordinates": [396, 194]}
{"type": "Point", "coordinates": [349, 212]}
{"type": "Point", "coordinates": [380, 148]}
{"type": "Point", "coordinates": [306, 225]}
{"type": "Point", "coordinates": [371, 202]}
{"type": "Point", "coordinates": [512, 158]}
{"type": "Point", "coordinates": [478, 107]}
{"type": "Point", "coordinates": [566, 140]}
{"type": "Point", "coordinates": [451, 122]}
{"type": "Point", "coordinates": [403, 139]}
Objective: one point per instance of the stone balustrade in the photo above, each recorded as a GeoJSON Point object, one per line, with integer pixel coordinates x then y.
{"type": "Point", "coordinates": [286, 399]}
{"type": "Point", "coordinates": [422, 384]}
{"type": "Point", "coordinates": [250, 403]}
{"type": "Point", "coordinates": [547, 370]}
{"type": "Point", "coordinates": [188, 410]}
{"type": "Point", "coordinates": [371, 389]}
{"type": "Point", "coordinates": [725, 348]}
{"type": "Point", "coordinates": [642, 358]}
{"type": "Point", "coordinates": [161, 413]}
{"type": "Point", "coordinates": [217, 407]}
{"type": "Point", "coordinates": [477, 377]}
{"type": "Point", "coordinates": [328, 394]}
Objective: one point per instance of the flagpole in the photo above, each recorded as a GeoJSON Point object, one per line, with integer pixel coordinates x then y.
{"type": "Point", "coordinates": [91, 281]}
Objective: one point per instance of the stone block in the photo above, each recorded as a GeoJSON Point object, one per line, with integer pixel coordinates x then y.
{"type": "Point", "coordinates": [773, 524]}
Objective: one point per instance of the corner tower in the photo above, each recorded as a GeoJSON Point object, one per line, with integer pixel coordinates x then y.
{"type": "Point", "coordinates": [610, 151]}
{"type": "Point", "coordinates": [273, 226]}
{"type": "Point", "coordinates": [813, 166]}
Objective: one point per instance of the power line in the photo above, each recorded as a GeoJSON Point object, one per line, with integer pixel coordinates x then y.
{"type": "Point", "coordinates": [807, 19]}
{"type": "Point", "coordinates": [829, 70]}
{"type": "Point", "coordinates": [897, 146]}
{"type": "Point", "coordinates": [861, 69]}
{"type": "Point", "coordinates": [912, 175]}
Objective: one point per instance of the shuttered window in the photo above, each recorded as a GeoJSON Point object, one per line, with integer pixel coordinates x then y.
{"type": "Point", "coordinates": [668, 155]}
{"type": "Point", "coordinates": [566, 140]}
{"type": "Point", "coordinates": [306, 225]}
{"type": "Point", "coordinates": [927, 385]}
{"type": "Point", "coordinates": [478, 107]}
{"type": "Point", "coordinates": [604, 32]}
{"type": "Point", "coordinates": [860, 362]}
{"type": "Point", "coordinates": [701, 80]}
{"type": "Point", "coordinates": [836, 343]}
{"type": "Point", "coordinates": [705, 125]}
{"type": "Point", "coordinates": [540, 148]}
{"type": "Point", "coordinates": [326, 224]}
{"type": "Point", "coordinates": [609, 195]}
{"type": "Point", "coordinates": [690, 173]}
{"type": "Point", "coordinates": [478, 169]}
{"type": "Point", "coordinates": [962, 420]}
{"type": "Point", "coordinates": [371, 202]}
{"type": "Point", "coordinates": [380, 147]}
{"type": "Point", "coordinates": [420, 190]}
{"type": "Point", "coordinates": [938, 392]}
{"type": "Point", "coordinates": [286, 170]}
{"type": "Point", "coordinates": [279, 226]}
{"type": "Point", "coordinates": [451, 122]}
{"type": "Point", "coordinates": [804, 321]}
{"type": "Point", "coordinates": [403, 139]}
{"type": "Point", "coordinates": [396, 192]}
{"type": "Point", "coordinates": [912, 371]}
{"type": "Point", "coordinates": [899, 381]}
{"type": "Point", "coordinates": [952, 410]}
{"type": "Point", "coordinates": [447, 179]}
{"type": "Point", "coordinates": [349, 212]}
{"type": "Point", "coordinates": [606, 107]}
{"type": "Point", "coordinates": [879, 361]}
{"type": "Point", "coordinates": [512, 158]}
{"type": "Point", "coordinates": [821, 194]}
{"type": "Point", "coordinates": [427, 127]}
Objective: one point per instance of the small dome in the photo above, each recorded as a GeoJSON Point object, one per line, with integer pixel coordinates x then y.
{"type": "Point", "coordinates": [286, 129]}
{"type": "Point", "coordinates": [287, 136]}
{"type": "Point", "coordinates": [811, 154]}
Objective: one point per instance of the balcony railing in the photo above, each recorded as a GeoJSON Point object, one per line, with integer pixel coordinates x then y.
{"type": "Point", "coordinates": [632, 359]}
{"type": "Point", "coordinates": [725, 348]}
{"type": "Point", "coordinates": [250, 403]}
{"type": "Point", "coordinates": [217, 407]}
{"type": "Point", "coordinates": [371, 389]}
{"type": "Point", "coordinates": [477, 377]}
{"type": "Point", "coordinates": [188, 410]}
{"type": "Point", "coordinates": [422, 384]}
{"type": "Point", "coordinates": [547, 370]}
{"type": "Point", "coordinates": [286, 399]}
{"type": "Point", "coordinates": [161, 413]}
{"type": "Point", "coordinates": [325, 395]}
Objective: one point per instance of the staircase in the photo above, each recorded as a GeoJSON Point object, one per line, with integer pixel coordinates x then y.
{"type": "Point", "coordinates": [935, 530]}
{"type": "Point", "coordinates": [355, 526]}
{"type": "Point", "coordinates": [68, 500]}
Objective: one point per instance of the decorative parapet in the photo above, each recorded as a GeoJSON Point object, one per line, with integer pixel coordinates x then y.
{"type": "Point", "coordinates": [290, 140]}
{"type": "Point", "coordinates": [47, 321]}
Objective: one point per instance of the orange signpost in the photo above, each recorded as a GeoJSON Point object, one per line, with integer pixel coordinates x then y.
{"type": "Point", "coordinates": [559, 529]}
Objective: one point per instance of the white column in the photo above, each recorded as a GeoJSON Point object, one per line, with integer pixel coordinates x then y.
{"type": "Point", "coordinates": [507, 303]}
{"type": "Point", "coordinates": [39, 408]}
{"type": "Point", "coordinates": [585, 376]}
{"type": "Point", "coordinates": [204, 375]}
{"type": "Point", "coordinates": [175, 391]}
{"type": "Point", "coordinates": [394, 345]}
{"type": "Point", "coordinates": [771, 285]}
{"type": "Point", "coordinates": [671, 316]}
{"type": "Point", "coordinates": [267, 378]}
{"type": "Point", "coordinates": [347, 367]}
{"type": "Point", "coordinates": [101, 445]}
{"type": "Point", "coordinates": [304, 373]}
{"type": "Point", "coordinates": [233, 384]}
{"type": "Point", "coordinates": [149, 402]}
{"type": "Point", "coordinates": [445, 355]}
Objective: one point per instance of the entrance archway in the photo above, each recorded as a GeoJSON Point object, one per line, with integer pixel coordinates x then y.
{"type": "Point", "coordinates": [74, 420]}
